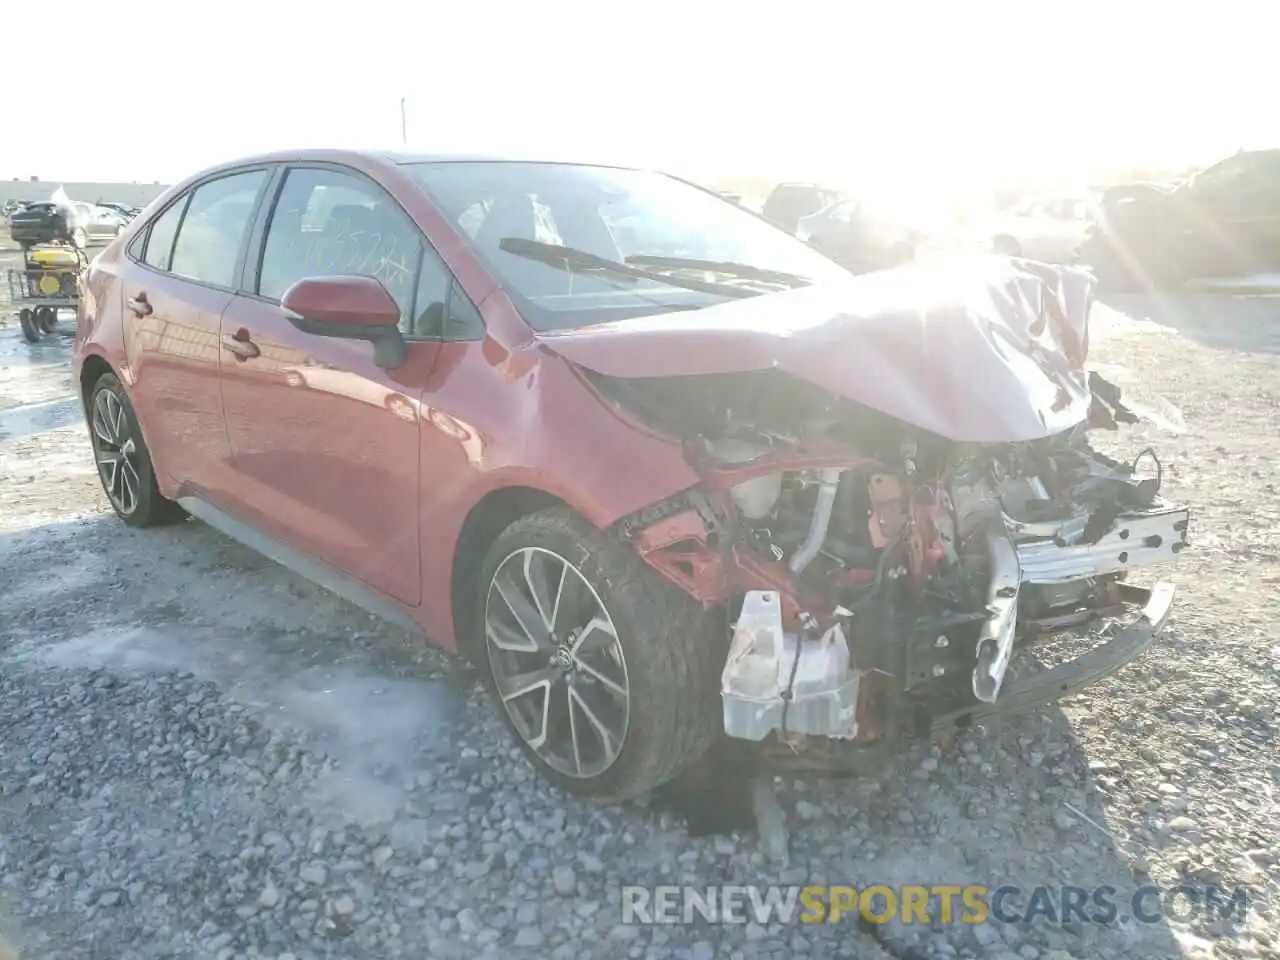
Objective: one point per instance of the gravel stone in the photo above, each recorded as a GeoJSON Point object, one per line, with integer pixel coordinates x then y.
{"type": "Point", "coordinates": [468, 922]}
{"type": "Point", "coordinates": [529, 937]}
{"type": "Point", "coordinates": [564, 880]}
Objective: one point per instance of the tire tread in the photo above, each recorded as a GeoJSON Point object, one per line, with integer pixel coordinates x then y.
{"type": "Point", "coordinates": [677, 645]}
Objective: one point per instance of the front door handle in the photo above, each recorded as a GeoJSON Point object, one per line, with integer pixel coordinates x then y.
{"type": "Point", "coordinates": [240, 344]}
{"type": "Point", "coordinates": [139, 305]}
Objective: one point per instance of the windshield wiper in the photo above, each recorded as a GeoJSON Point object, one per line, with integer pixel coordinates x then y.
{"type": "Point", "coordinates": [743, 270]}
{"type": "Point", "coordinates": [572, 260]}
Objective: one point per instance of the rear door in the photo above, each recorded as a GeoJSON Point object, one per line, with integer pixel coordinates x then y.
{"type": "Point", "coordinates": [179, 274]}
{"type": "Point", "coordinates": [85, 217]}
{"type": "Point", "coordinates": [324, 443]}
{"type": "Point", "coordinates": [102, 222]}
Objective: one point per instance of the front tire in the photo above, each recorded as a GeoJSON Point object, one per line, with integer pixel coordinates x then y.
{"type": "Point", "coordinates": [123, 460]}
{"type": "Point", "coordinates": [605, 674]}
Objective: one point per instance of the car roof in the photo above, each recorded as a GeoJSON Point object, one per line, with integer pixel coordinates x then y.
{"type": "Point", "coordinates": [401, 158]}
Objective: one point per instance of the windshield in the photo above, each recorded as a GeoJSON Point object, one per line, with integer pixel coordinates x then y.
{"type": "Point", "coordinates": [644, 219]}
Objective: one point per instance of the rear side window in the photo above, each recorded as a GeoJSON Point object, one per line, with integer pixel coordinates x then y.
{"type": "Point", "coordinates": [160, 238]}
{"type": "Point", "coordinates": [330, 223]}
{"type": "Point", "coordinates": [214, 228]}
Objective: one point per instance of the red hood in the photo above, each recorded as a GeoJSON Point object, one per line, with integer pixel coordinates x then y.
{"type": "Point", "coordinates": [989, 351]}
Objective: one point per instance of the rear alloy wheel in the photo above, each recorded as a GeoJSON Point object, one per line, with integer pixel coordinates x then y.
{"type": "Point", "coordinates": [46, 319]}
{"type": "Point", "coordinates": [124, 463]}
{"type": "Point", "coordinates": [606, 674]}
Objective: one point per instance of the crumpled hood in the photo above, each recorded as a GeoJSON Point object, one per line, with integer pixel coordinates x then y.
{"type": "Point", "coordinates": [987, 351]}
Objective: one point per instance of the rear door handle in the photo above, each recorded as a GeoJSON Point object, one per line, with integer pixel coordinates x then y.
{"type": "Point", "coordinates": [139, 305]}
{"type": "Point", "coordinates": [240, 344]}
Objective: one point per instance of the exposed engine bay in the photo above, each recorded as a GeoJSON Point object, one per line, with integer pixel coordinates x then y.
{"type": "Point", "coordinates": [876, 577]}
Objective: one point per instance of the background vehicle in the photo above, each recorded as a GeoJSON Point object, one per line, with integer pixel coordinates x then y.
{"type": "Point", "coordinates": [1049, 230]}
{"type": "Point", "coordinates": [787, 203]}
{"type": "Point", "coordinates": [399, 376]}
{"type": "Point", "coordinates": [1222, 222]}
{"type": "Point", "coordinates": [100, 223]}
{"type": "Point", "coordinates": [46, 222]}
{"type": "Point", "coordinates": [858, 237]}
{"type": "Point", "coordinates": [78, 224]}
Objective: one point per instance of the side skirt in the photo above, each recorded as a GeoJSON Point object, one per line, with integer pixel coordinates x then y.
{"type": "Point", "coordinates": [300, 563]}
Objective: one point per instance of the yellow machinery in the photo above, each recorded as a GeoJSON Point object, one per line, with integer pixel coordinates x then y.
{"type": "Point", "coordinates": [49, 281]}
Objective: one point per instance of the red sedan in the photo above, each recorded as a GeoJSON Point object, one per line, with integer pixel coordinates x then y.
{"type": "Point", "coordinates": [667, 475]}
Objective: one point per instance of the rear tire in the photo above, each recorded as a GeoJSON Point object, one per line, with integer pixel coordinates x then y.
{"type": "Point", "coordinates": [649, 638]}
{"type": "Point", "coordinates": [123, 460]}
{"type": "Point", "coordinates": [27, 320]}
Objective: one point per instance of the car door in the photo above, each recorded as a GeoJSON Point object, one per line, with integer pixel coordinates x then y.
{"type": "Point", "coordinates": [86, 218]}
{"type": "Point", "coordinates": [109, 221]}
{"type": "Point", "coordinates": [180, 273]}
{"type": "Point", "coordinates": [324, 443]}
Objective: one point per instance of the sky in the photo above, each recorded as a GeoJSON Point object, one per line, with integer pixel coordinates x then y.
{"type": "Point", "coordinates": [914, 96]}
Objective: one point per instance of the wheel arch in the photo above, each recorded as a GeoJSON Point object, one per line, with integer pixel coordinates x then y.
{"type": "Point", "coordinates": [492, 514]}
{"type": "Point", "coordinates": [91, 370]}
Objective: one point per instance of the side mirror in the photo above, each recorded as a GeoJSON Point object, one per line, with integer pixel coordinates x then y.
{"type": "Point", "coordinates": [351, 308]}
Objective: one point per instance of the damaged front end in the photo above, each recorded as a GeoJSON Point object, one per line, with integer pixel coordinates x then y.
{"type": "Point", "coordinates": [873, 597]}
{"type": "Point", "coordinates": [878, 577]}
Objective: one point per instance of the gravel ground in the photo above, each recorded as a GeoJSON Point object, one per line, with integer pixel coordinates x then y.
{"type": "Point", "coordinates": [202, 755]}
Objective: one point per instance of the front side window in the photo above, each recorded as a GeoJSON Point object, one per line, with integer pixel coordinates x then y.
{"type": "Point", "coordinates": [160, 237]}
{"type": "Point", "coordinates": [213, 230]}
{"type": "Point", "coordinates": [330, 223]}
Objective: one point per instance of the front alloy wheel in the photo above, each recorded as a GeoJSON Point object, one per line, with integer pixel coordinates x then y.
{"type": "Point", "coordinates": [606, 673]}
{"type": "Point", "coordinates": [557, 664]}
